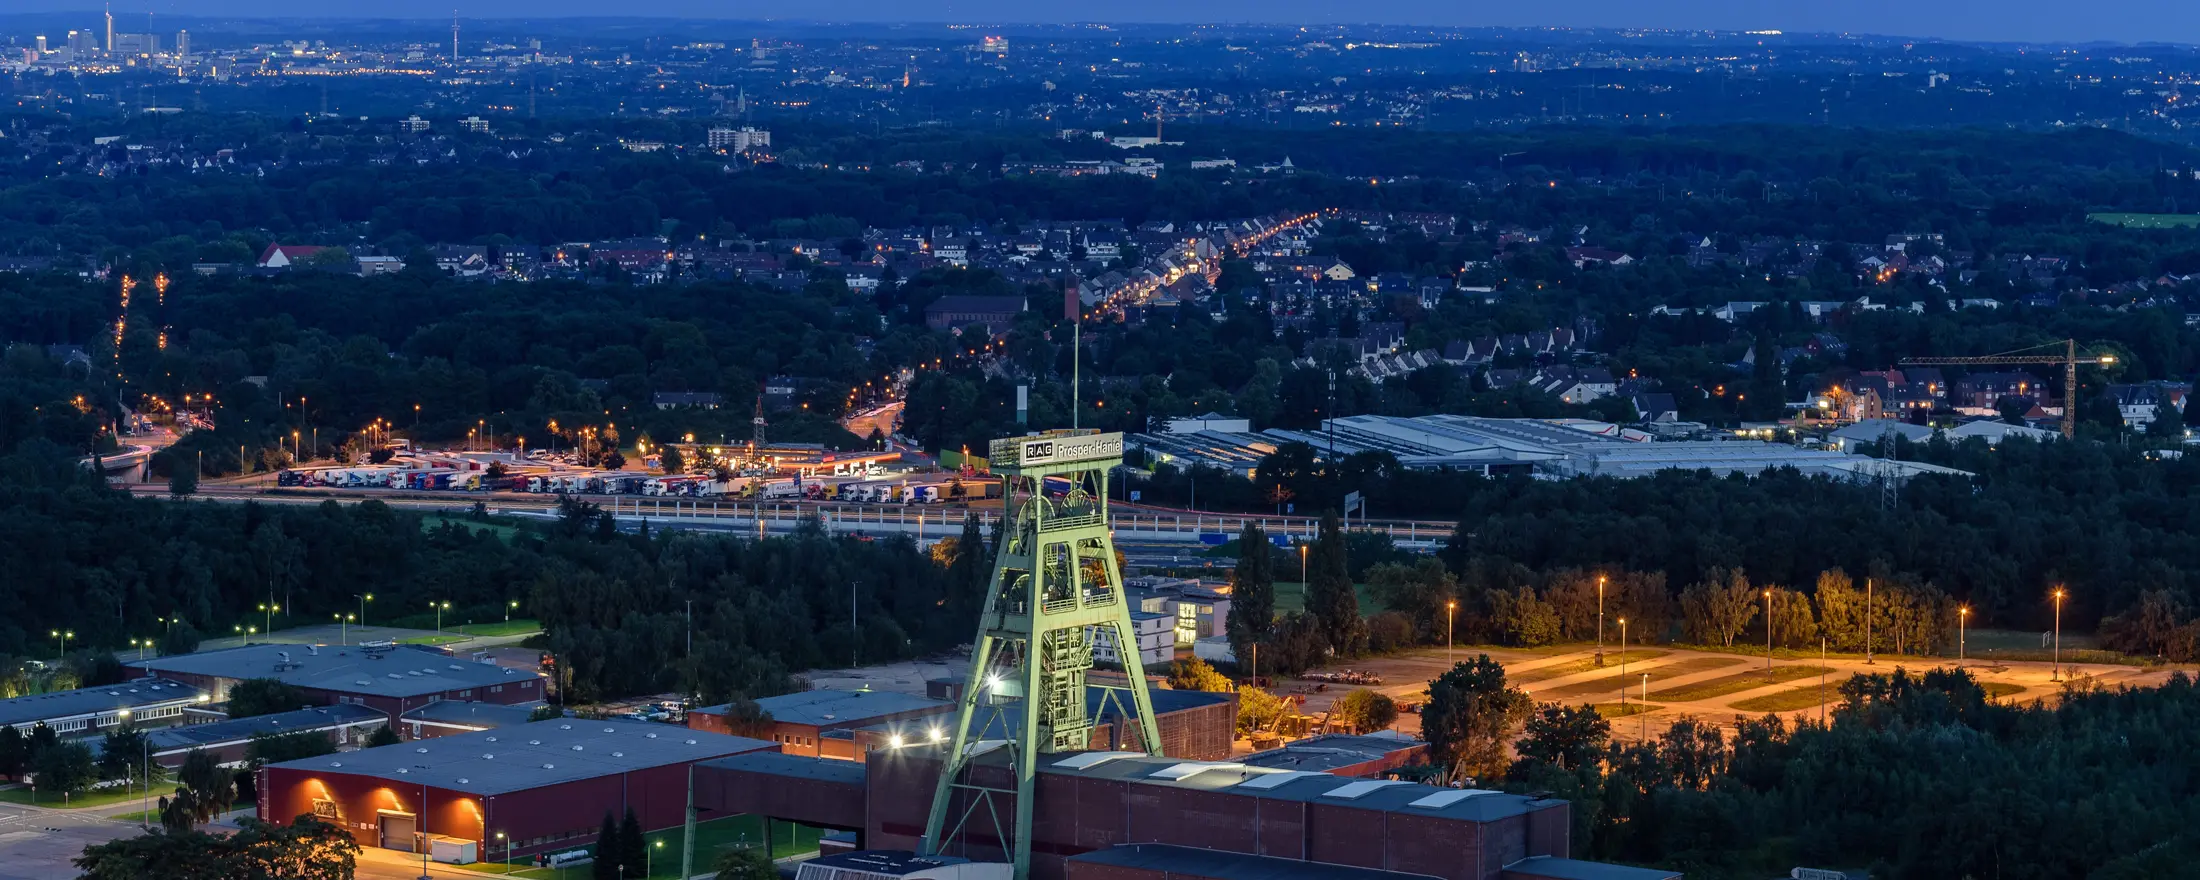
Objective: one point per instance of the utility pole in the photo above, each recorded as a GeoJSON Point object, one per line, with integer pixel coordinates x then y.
{"type": "Point", "coordinates": [1867, 621]}
{"type": "Point", "coordinates": [1600, 620]}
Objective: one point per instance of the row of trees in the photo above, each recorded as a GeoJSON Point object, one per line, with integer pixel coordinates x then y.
{"type": "Point", "coordinates": [1913, 775]}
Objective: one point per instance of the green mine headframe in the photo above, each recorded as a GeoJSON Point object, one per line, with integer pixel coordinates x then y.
{"type": "Point", "coordinates": [1055, 587]}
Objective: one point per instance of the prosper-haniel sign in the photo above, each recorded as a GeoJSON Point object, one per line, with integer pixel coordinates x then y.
{"type": "Point", "coordinates": [1059, 450]}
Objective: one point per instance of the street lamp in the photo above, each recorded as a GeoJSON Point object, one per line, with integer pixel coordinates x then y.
{"type": "Point", "coordinates": [1600, 620]}
{"type": "Point", "coordinates": [363, 598]}
{"type": "Point", "coordinates": [1623, 663]}
{"type": "Point", "coordinates": [508, 608]}
{"type": "Point", "coordinates": [241, 633]}
{"type": "Point", "coordinates": [64, 635]}
{"type": "Point", "coordinates": [267, 615]}
{"type": "Point", "coordinates": [651, 862]}
{"type": "Point", "coordinates": [1768, 634]}
{"type": "Point", "coordinates": [1449, 608]}
{"type": "Point", "coordinates": [2058, 633]}
{"type": "Point", "coordinates": [343, 627]}
{"type": "Point", "coordinates": [439, 607]}
{"type": "Point", "coordinates": [1302, 565]}
{"type": "Point", "coordinates": [1963, 620]}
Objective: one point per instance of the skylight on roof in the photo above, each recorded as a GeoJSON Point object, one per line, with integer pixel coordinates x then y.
{"type": "Point", "coordinates": [1362, 788]}
{"type": "Point", "coordinates": [1448, 797]}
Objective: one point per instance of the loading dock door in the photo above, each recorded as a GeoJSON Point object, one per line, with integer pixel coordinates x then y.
{"type": "Point", "coordinates": [397, 831]}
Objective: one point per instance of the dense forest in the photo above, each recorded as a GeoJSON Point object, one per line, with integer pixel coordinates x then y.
{"type": "Point", "coordinates": [111, 567]}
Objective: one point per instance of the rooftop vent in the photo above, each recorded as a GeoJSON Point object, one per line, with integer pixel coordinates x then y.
{"type": "Point", "coordinates": [462, 780]}
{"type": "Point", "coordinates": [618, 754]}
{"type": "Point", "coordinates": [336, 763]}
{"type": "Point", "coordinates": [403, 770]}
{"type": "Point", "coordinates": [492, 739]}
{"type": "Point", "coordinates": [456, 666]}
{"type": "Point", "coordinates": [576, 748]}
{"type": "Point", "coordinates": [607, 730]}
{"type": "Point", "coordinates": [650, 735]}
{"type": "Point", "coordinates": [565, 727]}
{"type": "Point", "coordinates": [423, 750]}
{"type": "Point", "coordinates": [691, 742]}
{"type": "Point", "coordinates": [488, 757]}
{"type": "Point", "coordinates": [364, 682]}
{"type": "Point", "coordinates": [549, 766]}
{"type": "Point", "coordinates": [534, 742]}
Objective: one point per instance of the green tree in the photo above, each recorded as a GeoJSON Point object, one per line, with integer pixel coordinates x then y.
{"type": "Point", "coordinates": [382, 736]}
{"type": "Point", "coordinates": [1330, 596]}
{"type": "Point", "coordinates": [1718, 608]}
{"type": "Point", "coordinates": [64, 769]}
{"type": "Point", "coordinates": [211, 787]}
{"type": "Point", "coordinates": [1566, 737]}
{"type": "Point", "coordinates": [15, 752]}
{"type": "Point", "coordinates": [121, 751]}
{"type": "Point", "coordinates": [607, 858]}
{"type": "Point", "coordinates": [633, 847]}
{"type": "Point", "coordinates": [669, 455]}
{"type": "Point", "coordinates": [1193, 674]}
{"type": "Point", "coordinates": [1364, 710]}
{"type": "Point", "coordinates": [1259, 710]}
{"type": "Point", "coordinates": [263, 696]}
{"type": "Point", "coordinates": [305, 849]}
{"type": "Point", "coordinates": [1253, 592]}
{"type": "Point", "coordinates": [1470, 717]}
{"type": "Point", "coordinates": [275, 748]}
{"type": "Point", "coordinates": [1424, 592]}
{"type": "Point", "coordinates": [180, 638]}
{"type": "Point", "coordinates": [747, 863]}
{"type": "Point", "coordinates": [183, 480]}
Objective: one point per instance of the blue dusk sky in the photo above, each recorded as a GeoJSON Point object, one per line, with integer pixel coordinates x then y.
{"type": "Point", "coordinates": [2128, 21]}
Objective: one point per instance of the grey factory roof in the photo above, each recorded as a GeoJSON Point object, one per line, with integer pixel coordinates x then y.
{"type": "Point", "coordinates": [1102, 705]}
{"type": "Point", "coordinates": [469, 713]}
{"type": "Point", "coordinates": [794, 767]}
{"type": "Point", "coordinates": [134, 695]}
{"type": "Point", "coordinates": [192, 736]}
{"type": "Point", "coordinates": [1331, 751]}
{"type": "Point", "coordinates": [491, 762]}
{"type": "Point", "coordinates": [1563, 447]}
{"type": "Point", "coordinates": [1575, 869]}
{"type": "Point", "coordinates": [1384, 795]}
{"type": "Point", "coordinates": [403, 671]}
{"type": "Point", "coordinates": [884, 862]}
{"type": "Point", "coordinates": [1222, 865]}
{"type": "Point", "coordinates": [836, 708]}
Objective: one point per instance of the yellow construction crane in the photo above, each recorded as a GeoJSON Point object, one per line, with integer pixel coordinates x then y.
{"type": "Point", "coordinates": [2068, 358]}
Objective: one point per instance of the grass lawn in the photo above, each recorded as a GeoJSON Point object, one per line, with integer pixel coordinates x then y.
{"type": "Point", "coordinates": [502, 530]}
{"type": "Point", "coordinates": [518, 626]}
{"type": "Point", "coordinates": [711, 838]}
{"type": "Point", "coordinates": [1615, 710]}
{"type": "Point", "coordinates": [1575, 667]}
{"type": "Point", "coordinates": [445, 639]}
{"type": "Point", "coordinates": [2145, 221]}
{"type": "Point", "coordinates": [1633, 677]}
{"type": "Point", "coordinates": [1996, 690]}
{"type": "Point", "coordinates": [1737, 683]}
{"type": "Point", "coordinates": [1291, 596]}
{"type": "Point", "coordinates": [1789, 700]}
{"type": "Point", "coordinates": [106, 797]}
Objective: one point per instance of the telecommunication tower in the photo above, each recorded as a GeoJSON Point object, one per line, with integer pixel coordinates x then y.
{"type": "Point", "coordinates": [1055, 587]}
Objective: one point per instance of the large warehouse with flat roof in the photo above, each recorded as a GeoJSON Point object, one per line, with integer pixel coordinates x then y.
{"type": "Point", "coordinates": [146, 702]}
{"type": "Point", "coordinates": [393, 680]}
{"type": "Point", "coordinates": [543, 786]}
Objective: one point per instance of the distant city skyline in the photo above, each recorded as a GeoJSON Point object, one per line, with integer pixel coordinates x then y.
{"type": "Point", "coordinates": [2123, 21]}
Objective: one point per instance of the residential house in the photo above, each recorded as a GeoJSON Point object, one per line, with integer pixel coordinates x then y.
{"type": "Point", "coordinates": [686, 400]}
{"type": "Point", "coordinates": [283, 256]}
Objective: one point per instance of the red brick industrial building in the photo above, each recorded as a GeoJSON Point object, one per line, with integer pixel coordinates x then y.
{"type": "Point", "coordinates": [543, 787]}
{"type": "Point", "coordinates": [1095, 802]}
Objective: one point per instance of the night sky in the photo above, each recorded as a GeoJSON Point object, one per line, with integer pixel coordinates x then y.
{"type": "Point", "coordinates": [1997, 20]}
